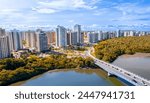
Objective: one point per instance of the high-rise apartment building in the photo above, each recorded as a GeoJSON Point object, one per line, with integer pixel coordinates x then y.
{"type": "Point", "coordinates": [51, 37]}
{"type": "Point", "coordinates": [129, 33]}
{"type": "Point", "coordinates": [42, 44]}
{"type": "Point", "coordinates": [120, 33]}
{"type": "Point", "coordinates": [77, 28]}
{"type": "Point", "coordinates": [61, 36]}
{"type": "Point", "coordinates": [2, 32]}
{"type": "Point", "coordinates": [30, 39]}
{"type": "Point", "coordinates": [100, 35]}
{"type": "Point", "coordinates": [35, 40]}
{"type": "Point", "coordinates": [125, 33]}
{"type": "Point", "coordinates": [73, 38]}
{"type": "Point", "coordinates": [92, 37]}
{"type": "Point", "coordinates": [15, 40]}
{"type": "Point", "coordinates": [68, 37]}
{"type": "Point", "coordinates": [4, 44]}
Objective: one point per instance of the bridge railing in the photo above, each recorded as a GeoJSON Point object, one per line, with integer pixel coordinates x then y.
{"type": "Point", "coordinates": [134, 76]}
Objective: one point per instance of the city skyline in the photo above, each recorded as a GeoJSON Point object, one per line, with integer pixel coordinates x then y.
{"type": "Point", "coordinates": [91, 14]}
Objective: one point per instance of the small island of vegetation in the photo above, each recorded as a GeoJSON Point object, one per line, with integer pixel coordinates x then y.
{"type": "Point", "coordinates": [109, 50]}
{"type": "Point", "coordinates": [13, 70]}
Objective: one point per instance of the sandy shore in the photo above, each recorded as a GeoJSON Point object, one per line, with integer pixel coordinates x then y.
{"type": "Point", "coordinates": [136, 55]}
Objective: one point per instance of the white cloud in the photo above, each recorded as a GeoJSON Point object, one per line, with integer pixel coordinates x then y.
{"type": "Point", "coordinates": [71, 21]}
{"type": "Point", "coordinates": [62, 5]}
{"type": "Point", "coordinates": [16, 4]}
{"type": "Point", "coordinates": [8, 15]}
{"type": "Point", "coordinates": [94, 25]}
{"type": "Point", "coordinates": [125, 13]}
{"type": "Point", "coordinates": [88, 12]}
{"type": "Point", "coordinates": [7, 11]}
{"type": "Point", "coordinates": [102, 11]}
{"type": "Point", "coordinates": [132, 8]}
{"type": "Point", "coordinates": [44, 10]}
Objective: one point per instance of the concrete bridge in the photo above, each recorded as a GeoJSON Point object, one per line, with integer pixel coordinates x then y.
{"type": "Point", "coordinates": [120, 72]}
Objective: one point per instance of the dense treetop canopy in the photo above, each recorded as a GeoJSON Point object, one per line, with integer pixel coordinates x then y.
{"type": "Point", "coordinates": [13, 70]}
{"type": "Point", "coordinates": [109, 50]}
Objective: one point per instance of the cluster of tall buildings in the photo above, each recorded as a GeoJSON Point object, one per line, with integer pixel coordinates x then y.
{"type": "Point", "coordinates": [15, 40]}
{"type": "Point", "coordinates": [95, 36]}
{"type": "Point", "coordinates": [126, 33]}
{"type": "Point", "coordinates": [39, 40]}
{"type": "Point", "coordinates": [32, 40]}
{"type": "Point", "coordinates": [66, 37]}
{"type": "Point", "coordinates": [35, 40]}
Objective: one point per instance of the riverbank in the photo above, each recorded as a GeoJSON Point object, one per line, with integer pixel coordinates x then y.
{"type": "Point", "coordinates": [109, 50]}
{"type": "Point", "coordinates": [13, 70]}
{"type": "Point", "coordinates": [38, 73]}
{"type": "Point", "coordinates": [72, 77]}
{"type": "Point", "coordinates": [36, 76]}
{"type": "Point", "coordinates": [136, 55]}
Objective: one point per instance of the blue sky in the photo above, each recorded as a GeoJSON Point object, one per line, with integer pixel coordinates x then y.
{"type": "Point", "coordinates": [91, 14]}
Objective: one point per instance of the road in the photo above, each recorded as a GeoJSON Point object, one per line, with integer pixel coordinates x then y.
{"type": "Point", "coordinates": [120, 72]}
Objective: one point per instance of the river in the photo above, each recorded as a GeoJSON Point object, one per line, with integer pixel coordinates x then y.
{"type": "Point", "coordinates": [74, 77]}
{"type": "Point", "coordinates": [138, 64]}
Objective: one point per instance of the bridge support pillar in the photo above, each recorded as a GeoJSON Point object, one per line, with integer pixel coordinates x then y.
{"type": "Point", "coordinates": [110, 74]}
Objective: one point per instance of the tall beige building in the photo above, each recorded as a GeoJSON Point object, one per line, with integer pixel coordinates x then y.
{"type": "Point", "coordinates": [35, 40]}
{"type": "Point", "coordinates": [30, 39]}
{"type": "Point", "coordinates": [4, 44]}
{"type": "Point", "coordinates": [51, 37]}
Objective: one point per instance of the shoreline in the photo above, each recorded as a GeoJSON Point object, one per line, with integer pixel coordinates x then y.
{"type": "Point", "coordinates": [67, 69]}
{"type": "Point", "coordinates": [102, 74]}
{"type": "Point", "coordinates": [53, 70]}
{"type": "Point", "coordinates": [135, 55]}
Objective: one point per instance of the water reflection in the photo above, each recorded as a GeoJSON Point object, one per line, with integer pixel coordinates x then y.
{"type": "Point", "coordinates": [77, 77]}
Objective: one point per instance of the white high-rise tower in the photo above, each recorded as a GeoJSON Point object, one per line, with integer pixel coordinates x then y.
{"type": "Point", "coordinates": [77, 28]}
{"type": "Point", "coordinates": [61, 36]}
